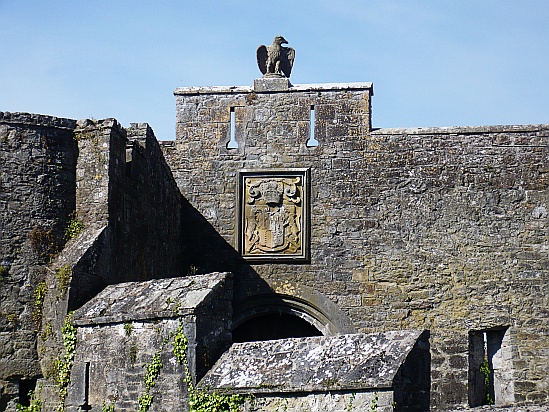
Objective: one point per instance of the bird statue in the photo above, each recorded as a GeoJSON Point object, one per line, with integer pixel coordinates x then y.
{"type": "Point", "coordinates": [275, 60]}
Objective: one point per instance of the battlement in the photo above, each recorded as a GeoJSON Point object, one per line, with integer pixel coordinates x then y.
{"type": "Point", "coordinates": [244, 121]}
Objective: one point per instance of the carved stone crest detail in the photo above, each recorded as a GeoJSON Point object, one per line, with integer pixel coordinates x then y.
{"type": "Point", "coordinates": [273, 215]}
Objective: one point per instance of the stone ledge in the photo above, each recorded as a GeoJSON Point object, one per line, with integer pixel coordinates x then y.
{"type": "Point", "coordinates": [460, 129]}
{"type": "Point", "coordinates": [37, 120]}
{"type": "Point", "coordinates": [180, 91]}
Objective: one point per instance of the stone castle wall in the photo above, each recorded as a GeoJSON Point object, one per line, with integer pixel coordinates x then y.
{"type": "Point", "coordinates": [116, 184]}
{"type": "Point", "coordinates": [442, 229]}
{"type": "Point", "coordinates": [37, 187]}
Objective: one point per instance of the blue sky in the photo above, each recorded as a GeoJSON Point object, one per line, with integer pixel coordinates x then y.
{"type": "Point", "coordinates": [433, 63]}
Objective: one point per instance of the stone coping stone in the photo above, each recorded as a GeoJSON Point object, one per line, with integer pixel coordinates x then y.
{"type": "Point", "coordinates": [33, 119]}
{"type": "Point", "coordinates": [292, 88]}
{"type": "Point", "coordinates": [153, 299]}
{"type": "Point", "coordinates": [462, 129]}
{"type": "Point", "coordinates": [312, 364]}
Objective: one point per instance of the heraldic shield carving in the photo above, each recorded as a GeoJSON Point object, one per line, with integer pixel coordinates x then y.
{"type": "Point", "coordinates": [273, 213]}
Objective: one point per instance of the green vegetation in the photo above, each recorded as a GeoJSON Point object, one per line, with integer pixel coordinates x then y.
{"type": "Point", "coordinates": [3, 271]}
{"type": "Point", "coordinates": [199, 400]}
{"type": "Point", "coordinates": [39, 295]}
{"type": "Point", "coordinates": [329, 382]}
{"type": "Point", "coordinates": [128, 328]}
{"type": "Point", "coordinates": [48, 332]}
{"type": "Point", "coordinates": [73, 229]}
{"type": "Point", "coordinates": [152, 370]}
{"type": "Point", "coordinates": [63, 366]}
{"type": "Point", "coordinates": [63, 276]}
{"type": "Point", "coordinates": [485, 370]}
{"type": "Point", "coordinates": [349, 407]}
{"type": "Point", "coordinates": [35, 404]}
{"type": "Point", "coordinates": [11, 318]}
{"type": "Point", "coordinates": [202, 401]}
{"type": "Point", "coordinates": [133, 353]}
{"type": "Point", "coordinates": [109, 406]}
{"type": "Point", "coordinates": [374, 403]}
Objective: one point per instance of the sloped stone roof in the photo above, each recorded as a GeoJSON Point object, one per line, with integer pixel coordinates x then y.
{"type": "Point", "coordinates": [343, 362]}
{"type": "Point", "coordinates": [152, 299]}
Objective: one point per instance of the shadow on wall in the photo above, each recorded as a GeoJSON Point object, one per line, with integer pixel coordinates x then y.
{"type": "Point", "coordinates": [153, 232]}
{"type": "Point", "coordinates": [412, 383]}
{"type": "Point", "coordinates": [308, 313]}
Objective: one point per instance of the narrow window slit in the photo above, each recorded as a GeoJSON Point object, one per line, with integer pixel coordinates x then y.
{"type": "Point", "coordinates": [312, 142]}
{"type": "Point", "coordinates": [233, 144]}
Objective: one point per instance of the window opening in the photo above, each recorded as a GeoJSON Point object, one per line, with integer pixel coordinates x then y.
{"type": "Point", "coordinates": [490, 368]}
{"type": "Point", "coordinates": [26, 389]}
{"type": "Point", "coordinates": [233, 144]}
{"type": "Point", "coordinates": [129, 159]}
{"type": "Point", "coordinates": [312, 142]}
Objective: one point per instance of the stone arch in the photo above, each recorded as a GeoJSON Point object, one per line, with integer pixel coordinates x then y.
{"type": "Point", "coordinates": [308, 305]}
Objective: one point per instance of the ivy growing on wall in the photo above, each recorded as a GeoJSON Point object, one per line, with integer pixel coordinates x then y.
{"type": "Point", "coordinates": [152, 370]}
{"type": "Point", "coordinates": [485, 370]}
{"type": "Point", "coordinates": [39, 295]}
{"type": "Point", "coordinates": [374, 402]}
{"type": "Point", "coordinates": [63, 365]}
{"type": "Point", "coordinates": [63, 276]}
{"type": "Point", "coordinates": [199, 400]}
{"type": "Point", "coordinates": [47, 333]}
{"type": "Point", "coordinates": [349, 407]}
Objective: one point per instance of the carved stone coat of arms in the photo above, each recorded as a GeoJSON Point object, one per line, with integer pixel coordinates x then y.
{"type": "Point", "coordinates": [273, 214]}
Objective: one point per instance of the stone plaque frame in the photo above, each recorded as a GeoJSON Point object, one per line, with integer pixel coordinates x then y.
{"type": "Point", "coordinates": [273, 215]}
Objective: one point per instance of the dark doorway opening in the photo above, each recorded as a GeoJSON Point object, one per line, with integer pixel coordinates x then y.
{"type": "Point", "coordinates": [274, 326]}
{"type": "Point", "coordinates": [26, 391]}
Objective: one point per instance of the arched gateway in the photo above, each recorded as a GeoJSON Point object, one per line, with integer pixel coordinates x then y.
{"type": "Point", "coordinates": [279, 316]}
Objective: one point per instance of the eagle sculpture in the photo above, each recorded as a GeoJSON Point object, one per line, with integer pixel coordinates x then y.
{"type": "Point", "coordinates": [275, 60]}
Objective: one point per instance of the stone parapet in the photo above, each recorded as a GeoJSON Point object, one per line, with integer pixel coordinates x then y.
{"type": "Point", "coordinates": [32, 119]}
{"type": "Point", "coordinates": [292, 88]}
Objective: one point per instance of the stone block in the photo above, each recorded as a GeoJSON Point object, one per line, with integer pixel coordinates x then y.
{"type": "Point", "coordinates": [272, 84]}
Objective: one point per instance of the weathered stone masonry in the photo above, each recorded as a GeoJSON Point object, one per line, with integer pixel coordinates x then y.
{"type": "Point", "coordinates": [55, 170]}
{"type": "Point", "coordinates": [37, 190]}
{"type": "Point", "coordinates": [442, 230]}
